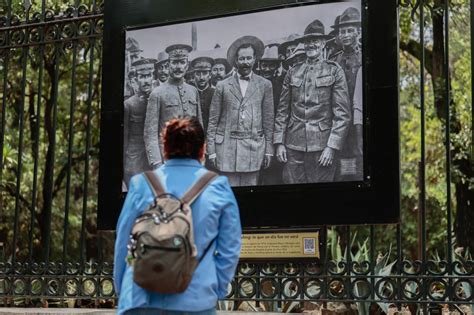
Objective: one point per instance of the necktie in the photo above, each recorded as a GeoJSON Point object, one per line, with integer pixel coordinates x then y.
{"type": "Point", "coordinates": [246, 78]}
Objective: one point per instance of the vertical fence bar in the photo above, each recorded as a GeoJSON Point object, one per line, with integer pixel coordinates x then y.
{"type": "Point", "coordinates": [87, 153]}
{"type": "Point", "coordinates": [447, 91]}
{"type": "Point", "coordinates": [422, 201]}
{"type": "Point", "coordinates": [6, 62]}
{"type": "Point", "coordinates": [372, 260]}
{"type": "Point", "coordinates": [447, 130]}
{"type": "Point", "coordinates": [24, 63]}
{"type": "Point", "coordinates": [37, 137]}
{"type": "Point", "coordinates": [51, 158]}
{"type": "Point", "coordinates": [399, 268]}
{"type": "Point", "coordinates": [72, 109]}
{"type": "Point", "coordinates": [422, 180]}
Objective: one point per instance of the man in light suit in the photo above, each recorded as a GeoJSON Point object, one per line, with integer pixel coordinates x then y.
{"type": "Point", "coordinates": [241, 117]}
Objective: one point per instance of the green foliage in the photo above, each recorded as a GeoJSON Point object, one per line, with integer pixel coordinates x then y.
{"type": "Point", "coordinates": [35, 104]}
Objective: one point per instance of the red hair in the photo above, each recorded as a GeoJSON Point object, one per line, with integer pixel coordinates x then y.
{"type": "Point", "coordinates": [183, 138]}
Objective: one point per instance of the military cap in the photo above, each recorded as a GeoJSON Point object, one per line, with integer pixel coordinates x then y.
{"type": "Point", "coordinates": [270, 53]}
{"type": "Point", "coordinates": [315, 29]}
{"type": "Point", "coordinates": [255, 42]}
{"type": "Point", "coordinates": [350, 16]}
{"type": "Point", "coordinates": [223, 61]}
{"type": "Point", "coordinates": [162, 57]}
{"type": "Point", "coordinates": [132, 45]}
{"type": "Point", "coordinates": [292, 39]}
{"type": "Point", "coordinates": [178, 51]}
{"type": "Point", "coordinates": [202, 63]}
{"type": "Point", "coordinates": [144, 65]}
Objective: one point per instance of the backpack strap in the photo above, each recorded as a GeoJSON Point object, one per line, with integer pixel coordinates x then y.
{"type": "Point", "coordinates": [154, 183]}
{"type": "Point", "coordinates": [196, 189]}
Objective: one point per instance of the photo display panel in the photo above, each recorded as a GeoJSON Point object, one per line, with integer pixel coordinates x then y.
{"type": "Point", "coordinates": [279, 93]}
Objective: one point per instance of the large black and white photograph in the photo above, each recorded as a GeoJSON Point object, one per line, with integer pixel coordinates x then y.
{"type": "Point", "coordinates": [279, 93]}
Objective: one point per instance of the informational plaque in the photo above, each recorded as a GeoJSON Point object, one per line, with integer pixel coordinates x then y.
{"type": "Point", "coordinates": [280, 245]}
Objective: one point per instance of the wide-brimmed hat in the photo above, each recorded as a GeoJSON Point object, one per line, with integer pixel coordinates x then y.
{"type": "Point", "coordinates": [350, 16]}
{"type": "Point", "coordinates": [255, 42]}
{"type": "Point", "coordinates": [314, 29]}
{"type": "Point", "coordinates": [292, 39]}
{"type": "Point", "coordinates": [162, 57]}
{"type": "Point", "coordinates": [144, 65]}
{"type": "Point", "coordinates": [203, 63]}
{"type": "Point", "coordinates": [223, 61]}
{"type": "Point", "coordinates": [298, 52]}
{"type": "Point", "coordinates": [131, 45]}
{"type": "Point", "coordinates": [270, 53]}
{"type": "Point", "coordinates": [178, 51]}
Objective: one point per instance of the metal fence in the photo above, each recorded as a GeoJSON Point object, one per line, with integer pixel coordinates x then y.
{"type": "Point", "coordinates": [51, 252]}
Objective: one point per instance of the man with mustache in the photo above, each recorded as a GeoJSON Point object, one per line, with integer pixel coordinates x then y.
{"type": "Point", "coordinates": [202, 75]}
{"type": "Point", "coordinates": [172, 99]}
{"type": "Point", "coordinates": [162, 66]}
{"type": "Point", "coordinates": [348, 31]}
{"type": "Point", "coordinates": [313, 116]}
{"type": "Point", "coordinates": [241, 117]}
{"type": "Point", "coordinates": [134, 158]}
{"type": "Point", "coordinates": [219, 70]}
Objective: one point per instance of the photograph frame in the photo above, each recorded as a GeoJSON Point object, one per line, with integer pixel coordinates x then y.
{"type": "Point", "coordinates": [375, 191]}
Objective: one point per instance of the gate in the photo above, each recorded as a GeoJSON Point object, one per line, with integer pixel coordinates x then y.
{"type": "Point", "coordinates": [50, 250]}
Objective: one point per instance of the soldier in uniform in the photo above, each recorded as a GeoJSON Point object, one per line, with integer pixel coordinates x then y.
{"type": "Point", "coordinates": [219, 70]}
{"type": "Point", "coordinates": [348, 30]}
{"type": "Point", "coordinates": [269, 69]}
{"type": "Point", "coordinates": [162, 71]}
{"type": "Point", "coordinates": [313, 115]}
{"type": "Point", "coordinates": [174, 98]}
{"type": "Point", "coordinates": [241, 117]}
{"type": "Point", "coordinates": [202, 75]}
{"type": "Point", "coordinates": [132, 54]}
{"type": "Point", "coordinates": [135, 159]}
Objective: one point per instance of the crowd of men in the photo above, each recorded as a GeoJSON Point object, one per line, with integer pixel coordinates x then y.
{"type": "Point", "coordinates": [277, 114]}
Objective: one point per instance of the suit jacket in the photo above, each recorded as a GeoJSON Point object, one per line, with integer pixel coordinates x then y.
{"type": "Point", "coordinates": [240, 128]}
{"type": "Point", "coordinates": [205, 97]}
{"type": "Point", "coordinates": [171, 99]}
{"type": "Point", "coordinates": [314, 109]}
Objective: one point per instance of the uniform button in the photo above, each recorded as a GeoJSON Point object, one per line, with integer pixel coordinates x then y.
{"type": "Point", "coordinates": [309, 80]}
{"type": "Point", "coordinates": [310, 68]}
{"type": "Point", "coordinates": [185, 109]}
{"type": "Point", "coordinates": [307, 95]}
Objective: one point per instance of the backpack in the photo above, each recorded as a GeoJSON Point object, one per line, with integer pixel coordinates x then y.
{"type": "Point", "coordinates": [161, 246]}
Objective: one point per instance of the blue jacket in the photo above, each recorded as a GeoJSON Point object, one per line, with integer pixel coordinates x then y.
{"type": "Point", "coordinates": [215, 214]}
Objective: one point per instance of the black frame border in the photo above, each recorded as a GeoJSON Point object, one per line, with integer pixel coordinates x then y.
{"type": "Point", "coordinates": [374, 200]}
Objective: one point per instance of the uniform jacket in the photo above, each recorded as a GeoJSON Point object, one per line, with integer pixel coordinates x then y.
{"type": "Point", "coordinates": [205, 97]}
{"type": "Point", "coordinates": [215, 217]}
{"type": "Point", "coordinates": [171, 99]}
{"type": "Point", "coordinates": [135, 160]}
{"type": "Point", "coordinates": [350, 63]}
{"type": "Point", "coordinates": [314, 109]}
{"type": "Point", "coordinates": [240, 128]}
